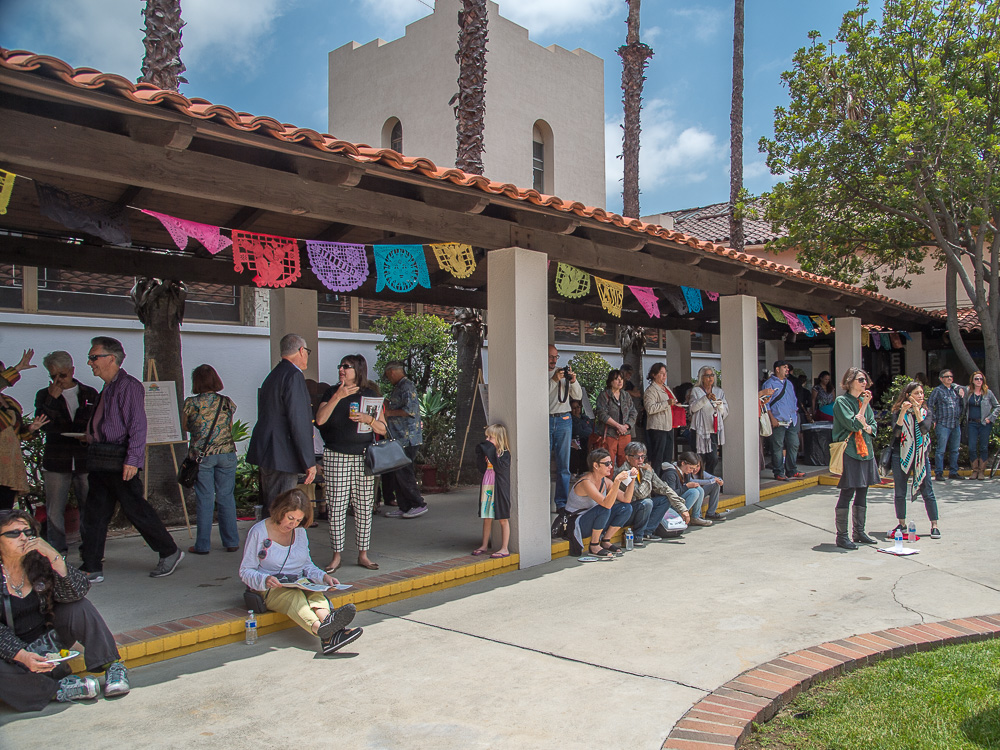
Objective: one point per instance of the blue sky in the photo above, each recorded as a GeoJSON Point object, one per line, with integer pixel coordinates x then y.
{"type": "Point", "coordinates": [269, 57]}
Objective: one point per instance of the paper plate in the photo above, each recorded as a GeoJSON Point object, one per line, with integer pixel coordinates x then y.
{"type": "Point", "coordinates": [71, 655]}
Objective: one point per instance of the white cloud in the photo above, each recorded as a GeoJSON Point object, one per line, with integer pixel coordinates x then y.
{"type": "Point", "coordinates": [397, 13]}
{"type": "Point", "coordinates": [649, 36]}
{"type": "Point", "coordinates": [754, 169]}
{"type": "Point", "coordinates": [669, 151]}
{"type": "Point", "coordinates": [701, 23]}
{"type": "Point", "coordinates": [228, 32]}
{"type": "Point", "coordinates": [539, 16]}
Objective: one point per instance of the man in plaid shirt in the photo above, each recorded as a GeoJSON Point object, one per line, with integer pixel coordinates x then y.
{"type": "Point", "coordinates": [945, 403]}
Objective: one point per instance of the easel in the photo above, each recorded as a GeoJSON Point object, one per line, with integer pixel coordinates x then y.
{"type": "Point", "coordinates": [151, 375]}
{"type": "Point", "coordinates": [468, 426]}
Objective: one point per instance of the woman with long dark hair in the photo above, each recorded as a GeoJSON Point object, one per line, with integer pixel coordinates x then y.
{"type": "Point", "coordinates": [823, 396]}
{"type": "Point", "coordinates": [911, 447]}
{"type": "Point", "coordinates": [614, 417]}
{"type": "Point", "coordinates": [347, 430]}
{"type": "Point", "coordinates": [44, 610]}
{"type": "Point", "coordinates": [854, 421]}
{"type": "Point", "coordinates": [980, 408]}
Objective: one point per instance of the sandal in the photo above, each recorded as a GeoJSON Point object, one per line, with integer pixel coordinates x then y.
{"type": "Point", "coordinates": [601, 553]}
{"type": "Point", "coordinates": [610, 547]}
{"type": "Point", "coordinates": [369, 565]}
{"type": "Point", "coordinates": [478, 552]}
{"type": "Point", "coordinates": [333, 568]}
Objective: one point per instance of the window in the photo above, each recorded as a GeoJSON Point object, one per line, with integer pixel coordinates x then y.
{"type": "Point", "coordinates": [392, 134]}
{"type": "Point", "coordinates": [541, 158]}
{"type": "Point", "coordinates": [538, 163]}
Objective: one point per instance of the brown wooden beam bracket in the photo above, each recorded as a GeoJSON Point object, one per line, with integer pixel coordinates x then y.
{"type": "Point", "coordinates": [328, 172]}
{"type": "Point", "coordinates": [546, 223]}
{"type": "Point", "coordinates": [174, 136]}
{"type": "Point", "coordinates": [465, 203]}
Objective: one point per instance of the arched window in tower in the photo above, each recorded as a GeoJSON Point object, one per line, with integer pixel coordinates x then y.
{"type": "Point", "coordinates": [541, 157]}
{"type": "Point", "coordinates": [392, 134]}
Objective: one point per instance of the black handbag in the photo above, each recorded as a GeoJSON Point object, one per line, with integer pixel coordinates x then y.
{"type": "Point", "coordinates": [187, 475]}
{"type": "Point", "coordinates": [254, 600]}
{"type": "Point", "coordinates": [106, 456]}
{"type": "Point", "coordinates": [885, 462]}
{"type": "Point", "coordinates": [383, 456]}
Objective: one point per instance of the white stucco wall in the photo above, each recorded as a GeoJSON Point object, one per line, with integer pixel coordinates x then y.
{"type": "Point", "coordinates": [414, 77]}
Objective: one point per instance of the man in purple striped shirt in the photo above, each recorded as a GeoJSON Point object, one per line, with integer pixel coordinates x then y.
{"type": "Point", "coordinates": [119, 420]}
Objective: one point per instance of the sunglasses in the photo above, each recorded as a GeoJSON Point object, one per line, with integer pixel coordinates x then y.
{"type": "Point", "coordinates": [345, 367]}
{"type": "Point", "coordinates": [947, 377]}
{"type": "Point", "coordinates": [861, 379]}
{"type": "Point", "coordinates": [263, 550]}
{"type": "Point", "coordinates": [15, 533]}
{"type": "Point", "coordinates": [95, 357]}
{"type": "Point", "coordinates": [606, 463]}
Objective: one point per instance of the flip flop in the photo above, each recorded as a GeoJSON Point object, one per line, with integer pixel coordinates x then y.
{"type": "Point", "coordinates": [333, 568]}
{"type": "Point", "coordinates": [369, 566]}
{"type": "Point", "coordinates": [498, 555]}
{"type": "Point", "coordinates": [478, 552]}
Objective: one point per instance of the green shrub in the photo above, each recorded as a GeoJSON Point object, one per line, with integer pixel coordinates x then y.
{"type": "Point", "coordinates": [592, 371]}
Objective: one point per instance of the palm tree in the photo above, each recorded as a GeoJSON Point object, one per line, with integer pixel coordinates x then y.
{"type": "Point", "coordinates": [470, 101]}
{"type": "Point", "coordinates": [736, 239]}
{"type": "Point", "coordinates": [635, 56]}
{"type": "Point", "coordinates": [161, 65]}
{"type": "Point", "coordinates": [469, 330]}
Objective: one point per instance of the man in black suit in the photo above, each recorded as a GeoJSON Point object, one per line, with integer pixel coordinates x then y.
{"type": "Point", "coordinates": [282, 441]}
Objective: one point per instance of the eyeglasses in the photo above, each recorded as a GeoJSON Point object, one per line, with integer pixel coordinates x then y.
{"type": "Point", "coordinates": [345, 367]}
{"type": "Point", "coordinates": [308, 350]}
{"type": "Point", "coordinates": [639, 456]}
{"type": "Point", "coordinates": [95, 357]}
{"type": "Point", "coordinates": [606, 463]}
{"type": "Point", "coordinates": [263, 550]}
{"type": "Point", "coordinates": [15, 533]}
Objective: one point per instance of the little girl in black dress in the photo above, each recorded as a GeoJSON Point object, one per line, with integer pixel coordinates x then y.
{"type": "Point", "coordinates": [493, 459]}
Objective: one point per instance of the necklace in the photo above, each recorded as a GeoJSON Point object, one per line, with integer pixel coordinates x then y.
{"type": "Point", "coordinates": [17, 587]}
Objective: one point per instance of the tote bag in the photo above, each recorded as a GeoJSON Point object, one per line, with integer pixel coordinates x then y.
{"type": "Point", "coordinates": [837, 457]}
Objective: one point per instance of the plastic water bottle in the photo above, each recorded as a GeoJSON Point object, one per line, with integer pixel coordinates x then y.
{"type": "Point", "coordinates": [251, 628]}
{"type": "Point", "coordinates": [629, 539]}
{"type": "Point", "coordinates": [899, 540]}
{"type": "Point", "coordinates": [911, 532]}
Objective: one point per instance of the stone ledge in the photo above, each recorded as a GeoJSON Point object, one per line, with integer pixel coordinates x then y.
{"type": "Point", "coordinates": [724, 718]}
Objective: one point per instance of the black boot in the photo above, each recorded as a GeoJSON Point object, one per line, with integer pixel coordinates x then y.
{"type": "Point", "coordinates": [859, 526]}
{"type": "Point", "coordinates": [843, 541]}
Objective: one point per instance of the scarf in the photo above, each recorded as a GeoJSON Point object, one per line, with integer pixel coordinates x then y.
{"type": "Point", "coordinates": [913, 449]}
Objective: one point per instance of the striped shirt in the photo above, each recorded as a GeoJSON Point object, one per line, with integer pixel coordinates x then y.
{"type": "Point", "coordinates": [120, 417]}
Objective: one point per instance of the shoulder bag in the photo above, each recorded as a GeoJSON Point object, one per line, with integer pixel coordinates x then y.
{"type": "Point", "coordinates": [187, 476]}
{"type": "Point", "coordinates": [764, 417]}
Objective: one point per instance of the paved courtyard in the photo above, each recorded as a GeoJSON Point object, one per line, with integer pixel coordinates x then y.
{"type": "Point", "coordinates": [566, 655]}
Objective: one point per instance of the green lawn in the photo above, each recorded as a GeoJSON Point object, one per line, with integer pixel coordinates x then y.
{"type": "Point", "coordinates": [947, 699]}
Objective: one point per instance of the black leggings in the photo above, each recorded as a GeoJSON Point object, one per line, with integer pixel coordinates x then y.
{"type": "Point", "coordinates": [860, 497]}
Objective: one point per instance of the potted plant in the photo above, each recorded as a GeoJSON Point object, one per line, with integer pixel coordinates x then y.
{"type": "Point", "coordinates": [436, 457]}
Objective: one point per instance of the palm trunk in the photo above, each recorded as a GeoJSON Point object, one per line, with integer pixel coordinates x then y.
{"type": "Point", "coordinates": [161, 65]}
{"type": "Point", "coordinates": [736, 238]}
{"type": "Point", "coordinates": [470, 110]}
{"type": "Point", "coordinates": [469, 338]}
{"type": "Point", "coordinates": [635, 56]}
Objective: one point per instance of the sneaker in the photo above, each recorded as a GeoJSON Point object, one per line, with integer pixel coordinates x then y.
{"type": "Point", "coordinates": [939, 477]}
{"type": "Point", "coordinates": [116, 680]}
{"type": "Point", "coordinates": [96, 577]}
{"type": "Point", "coordinates": [953, 475]}
{"type": "Point", "coordinates": [637, 543]}
{"type": "Point", "coordinates": [340, 639]}
{"type": "Point", "coordinates": [414, 512]}
{"type": "Point", "coordinates": [74, 688]}
{"type": "Point", "coordinates": [715, 517]}
{"type": "Point", "coordinates": [167, 565]}
{"type": "Point", "coordinates": [935, 533]}
{"type": "Point", "coordinates": [700, 522]}
{"type": "Point", "coordinates": [651, 538]}
{"type": "Point", "coordinates": [393, 514]}
{"type": "Point", "coordinates": [336, 621]}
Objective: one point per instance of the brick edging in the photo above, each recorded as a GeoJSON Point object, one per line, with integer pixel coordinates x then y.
{"type": "Point", "coordinates": [723, 719]}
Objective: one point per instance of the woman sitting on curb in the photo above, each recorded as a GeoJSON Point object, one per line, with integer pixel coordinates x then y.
{"type": "Point", "coordinates": [690, 491]}
{"type": "Point", "coordinates": [277, 552]}
{"type": "Point", "coordinates": [591, 503]}
{"type": "Point", "coordinates": [712, 486]}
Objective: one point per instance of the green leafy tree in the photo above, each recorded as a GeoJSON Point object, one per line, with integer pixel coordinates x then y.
{"type": "Point", "coordinates": [425, 346]}
{"type": "Point", "coordinates": [890, 148]}
{"type": "Point", "coordinates": [592, 371]}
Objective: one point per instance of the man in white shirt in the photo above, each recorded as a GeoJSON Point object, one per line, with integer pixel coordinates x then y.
{"type": "Point", "coordinates": [562, 388]}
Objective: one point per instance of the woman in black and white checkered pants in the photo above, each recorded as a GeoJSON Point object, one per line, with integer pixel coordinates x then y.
{"type": "Point", "coordinates": [349, 415]}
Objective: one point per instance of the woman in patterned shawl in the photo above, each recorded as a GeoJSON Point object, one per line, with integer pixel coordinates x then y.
{"type": "Point", "coordinates": [911, 444]}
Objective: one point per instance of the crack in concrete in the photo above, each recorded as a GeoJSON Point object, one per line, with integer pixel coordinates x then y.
{"type": "Point", "coordinates": [541, 652]}
{"type": "Point", "coordinates": [895, 599]}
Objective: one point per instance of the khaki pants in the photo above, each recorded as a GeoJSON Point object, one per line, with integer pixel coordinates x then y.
{"type": "Point", "coordinates": [298, 604]}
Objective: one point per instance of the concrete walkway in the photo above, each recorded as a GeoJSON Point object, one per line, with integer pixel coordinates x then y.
{"type": "Point", "coordinates": [565, 655]}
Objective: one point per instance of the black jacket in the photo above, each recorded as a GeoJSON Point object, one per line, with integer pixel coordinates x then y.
{"type": "Point", "coordinates": [282, 439]}
{"type": "Point", "coordinates": [65, 453]}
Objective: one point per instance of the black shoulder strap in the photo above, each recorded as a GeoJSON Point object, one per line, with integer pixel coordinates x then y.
{"type": "Point", "coordinates": [772, 403]}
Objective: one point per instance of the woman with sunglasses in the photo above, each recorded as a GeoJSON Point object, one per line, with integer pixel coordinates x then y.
{"type": "Point", "coordinates": [347, 431]}
{"type": "Point", "coordinates": [981, 409]}
{"type": "Point", "coordinates": [911, 444]}
{"type": "Point", "coordinates": [40, 594]}
{"type": "Point", "coordinates": [276, 553]}
{"type": "Point", "coordinates": [592, 508]}
{"type": "Point", "coordinates": [854, 421]}
{"type": "Point", "coordinates": [13, 429]}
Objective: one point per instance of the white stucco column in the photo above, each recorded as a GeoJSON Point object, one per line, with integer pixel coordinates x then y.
{"type": "Point", "coordinates": [678, 346]}
{"type": "Point", "coordinates": [774, 349]}
{"type": "Point", "coordinates": [916, 357]}
{"type": "Point", "coordinates": [847, 346]}
{"type": "Point", "coordinates": [295, 311]}
{"type": "Point", "coordinates": [519, 398]}
{"type": "Point", "coordinates": [822, 359]}
{"type": "Point", "coordinates": [740, 457]}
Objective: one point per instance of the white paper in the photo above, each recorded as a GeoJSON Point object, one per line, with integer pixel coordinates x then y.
{"type": "Point", "coordinates": [341, 586]}
{"type": "Point", "coordinates": [163, 423]}
{"type": "Point", "coordinates": [369, 405]}
{"type": "Point", "coordinates": [898, 552]}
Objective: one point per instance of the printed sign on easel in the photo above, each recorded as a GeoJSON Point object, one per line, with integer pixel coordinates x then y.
{"type": "Point", "coordinates": [163, 424]}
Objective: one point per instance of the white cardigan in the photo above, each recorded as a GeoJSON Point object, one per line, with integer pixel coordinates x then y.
{"type": "Point", "coordinates": [294, 560]}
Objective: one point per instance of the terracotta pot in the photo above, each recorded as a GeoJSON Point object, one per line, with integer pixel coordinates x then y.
{"type": "Point", "coordinates": [428, 478]}
{"type": "Point", "coordinates": [72, 520]}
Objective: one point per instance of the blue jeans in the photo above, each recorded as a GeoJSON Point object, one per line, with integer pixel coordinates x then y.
{"type": "Point", "coordinates": [658, 506]}
{"type": "Point", "coordinates": [787, 438]}
{"type": "Point", "coordinates": [901, 489]}
{"type": "Point", "coordinates": [948, 441]}
{"type": "Point", "coordinates": [215, 485]}
{"type": "Point", "coordinates": [57, 484]}
{"type": "Point", "coordinates": [594, 521]}
{"type": "Point", "coordinates": [560, 432]}
{"type": "Point", "coordinates": [694, 498]}
{"type": "Point", "coordinates": [979, 440]}
{"type": "Point", "coordinates": [638, 515]}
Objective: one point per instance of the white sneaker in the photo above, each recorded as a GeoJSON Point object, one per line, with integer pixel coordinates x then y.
{"type": "Point", "coordinates": [74, 688]}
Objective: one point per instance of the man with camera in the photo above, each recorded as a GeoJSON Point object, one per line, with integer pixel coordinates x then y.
{"type": "Point", "coordinates": [562, 388]}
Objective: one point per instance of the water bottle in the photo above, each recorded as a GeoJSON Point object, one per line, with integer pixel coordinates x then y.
{"type": "Point", "coordinates": [629, 539]}
{"type": "Point", "coordinates": [251, 628]}
{"type": "Point", "coordinates": [899, 539]}
{"type": "Point", "coordinates": [911, 532]}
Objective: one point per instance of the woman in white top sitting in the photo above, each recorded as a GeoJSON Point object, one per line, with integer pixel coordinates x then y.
{"type": "Point", "coordinates": [592, 503]}
{"type": "Point", "coordinates": [277, 552]}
